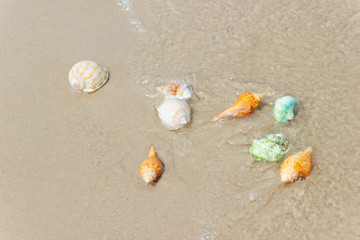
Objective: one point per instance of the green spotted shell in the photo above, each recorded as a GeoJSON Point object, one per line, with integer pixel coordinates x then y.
{"type": "Point", "coordinates": [285, 109]}
{"type": "Point", "coordinates": [271, 148]}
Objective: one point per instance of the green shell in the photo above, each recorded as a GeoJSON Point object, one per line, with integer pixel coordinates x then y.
{"type": "Point", "coordinates": [285, 109]}
{"type": "Point", "coordinates": [271, 148]}
{"type": "Point", "coordinates": [278, 138]}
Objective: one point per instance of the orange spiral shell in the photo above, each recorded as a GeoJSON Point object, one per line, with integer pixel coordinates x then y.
{"type": "Point", "coordinates": [150, 168]}
{"type": "Point", "coordinates": [244, 106]}
{"type": "Point", "coordinates": [298, 165]}
{"type": "Point", "coordinates": [253, 99]}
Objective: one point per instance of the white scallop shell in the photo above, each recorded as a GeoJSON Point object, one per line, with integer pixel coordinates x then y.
{"type": "Point", "coordinates": [174, 113]}
{"type": "Point", "coordinates": [87, 76]}
{"type": "Point", "coordinates": [176, 89]}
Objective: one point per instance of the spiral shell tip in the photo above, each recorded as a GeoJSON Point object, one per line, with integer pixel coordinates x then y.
{"type": "Point", "coordinates": [152, 152]}
{"type": "Point", "coordinates": [258, 96]}
{"type": "Point", "coordinates": [309, 149]}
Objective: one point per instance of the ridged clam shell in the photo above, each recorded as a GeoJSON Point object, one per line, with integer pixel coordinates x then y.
{"type": "Point", "coordinates": [87, 76]}
{"type": "Point", "coordinates": [271, 148]}
{"type": "Point", "coordinates": [150, 168]}
{"type": "Point", "coordinates": [244, 106]}
{"type": "Point", "coordinates": [285, 109]}
{"type": "Point", "coordinates": [176, 89]}
{"type": "Point", "coordinates": [174, 113]}
{"type": "Point", "coordinates": [298, 165]}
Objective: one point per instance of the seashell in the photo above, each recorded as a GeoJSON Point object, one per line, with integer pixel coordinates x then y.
{"type": "Point", "coordinates": [176, 89]}
{"type": "Point", "coordinates": [285, 109]}
{"type": "Point", "coordinates": [87, 76]}
{"type": "Point", "coordinates": [174, 113]}
{"type": "Point", "coordinates": [150, 168]}
{"type": "Point", "coordinates": [298, 165]}
{"type": "Point", "coordinates": [244, 106]}
{"type": "Point", "coordinates": [271, 148]}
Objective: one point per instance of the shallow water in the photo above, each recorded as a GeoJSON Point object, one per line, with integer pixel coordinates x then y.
{"type": "Point", "coordinates": [69, 165]}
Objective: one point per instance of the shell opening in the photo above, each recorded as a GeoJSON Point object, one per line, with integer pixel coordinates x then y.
{"type": "Point", "coordinates": [286, 177]}
{"type": "Point", "coordinates": [149, 175]}
{"type": "Point", "coordinates": [289, 174]}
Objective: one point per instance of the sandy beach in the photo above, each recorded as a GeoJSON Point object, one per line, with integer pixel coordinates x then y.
{"type": "Point", "coordinates": [69, 165]}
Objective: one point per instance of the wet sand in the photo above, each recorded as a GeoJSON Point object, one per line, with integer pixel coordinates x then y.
{"type": "Point", "coordinates": [69, 161]}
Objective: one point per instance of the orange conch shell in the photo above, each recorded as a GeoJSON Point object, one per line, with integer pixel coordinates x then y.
{"type": "Point", "coordinates": [298, 165]}
{"type": "Point", "coordinates": [151, 167]}
{"type": "Point", "coordinates": [244, 106]}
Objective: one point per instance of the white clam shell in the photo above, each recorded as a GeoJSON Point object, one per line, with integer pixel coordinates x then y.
{"type": "Point", "coordinates": [174, 113]}
{"type": "Point", "coordinates": [176, 89]}
{"type": "Point", "coordinates": [87, 76]}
